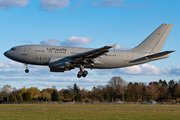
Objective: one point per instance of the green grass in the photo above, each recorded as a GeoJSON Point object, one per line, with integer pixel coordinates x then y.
{"type": "Point", "coordinates": [88, 112]}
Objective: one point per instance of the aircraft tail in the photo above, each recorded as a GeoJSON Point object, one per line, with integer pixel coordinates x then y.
{"type": "Point", "coordinates": [154, 42]}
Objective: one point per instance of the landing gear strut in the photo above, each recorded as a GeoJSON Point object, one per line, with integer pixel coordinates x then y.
{"type": "Point", "coordinates": [27, 70]}
{"type": "Point", "coordinates": [81, 72]}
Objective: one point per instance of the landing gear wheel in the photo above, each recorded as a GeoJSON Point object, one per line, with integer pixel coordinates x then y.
{"type": "Point", "coordinates": [85, 73]}
{"type": "Point", "coordinates": [80, 73]}
{"type": "Point", "coordinates": [78, 76]}
{"type": "Point", "coordinates": [26, 70]}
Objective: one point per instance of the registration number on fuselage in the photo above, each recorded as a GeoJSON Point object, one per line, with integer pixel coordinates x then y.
{"type": "Point", "coordinates": [41, 58]}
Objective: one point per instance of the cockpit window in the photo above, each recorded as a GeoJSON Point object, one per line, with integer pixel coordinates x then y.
{"type": "Point", "coordinates": [13, 49]}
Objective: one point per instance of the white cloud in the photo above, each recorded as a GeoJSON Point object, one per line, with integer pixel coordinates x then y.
{"type": "Point", "coordinates": [175, 71]}
{"type": "Point", "coordinates": [108, 3]}
{"type": "Point", "coordinates": [15, 64]}
{"type": "Point", "coordinates": [11, 64]}
{"type": "Point", "coordinates": [90, 80]}
{"type": "Point", "coordinates": [6, 4]}
{"type": "Point", "coordinates": [118, 47]}
{"type": "Point", "coordinates": [132, 70]}
{"type": "Point", "coordinates": [4, 65]}
{"type": "Point", "coordinates": [144, 69]}
{"type": "Point", "coordinates": [13, 71]}
{"type": "Point", "coordinates": [50, 41]}
{"type": "Point", "coordinates": [76, 41]}
{"type": "Point", "coordinates": [48, 84]}
{"type": "Point", "coordinates": [54, 4]}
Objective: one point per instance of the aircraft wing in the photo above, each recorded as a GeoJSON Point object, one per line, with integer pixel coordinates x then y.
{"type": "Point", "coordinates": [69, 62]}
{"type": "Point", "coordinates": [90, 55]}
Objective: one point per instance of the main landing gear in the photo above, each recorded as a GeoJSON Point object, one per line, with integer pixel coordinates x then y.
{"type": "Point", "coordinates": [27, 70]}
{"type": "Point", "coordinates": [81, 72]}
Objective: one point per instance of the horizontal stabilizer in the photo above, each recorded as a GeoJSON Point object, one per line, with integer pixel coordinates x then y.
{"type": "Point", "coordinates": [158, 54]}
{"type": "Point", "coordinates": [148, 57]}
{"type": "Point", "coordinates": [138, 60]}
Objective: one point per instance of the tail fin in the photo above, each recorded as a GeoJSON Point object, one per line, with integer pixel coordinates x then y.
{"type": "Point", "coordinates": [155, 41]}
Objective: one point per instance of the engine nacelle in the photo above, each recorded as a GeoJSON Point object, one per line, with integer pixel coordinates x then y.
{"type": "Point", "coordinates": [60, 65]}
{"type": "Point", "coordinates": [56, 70]}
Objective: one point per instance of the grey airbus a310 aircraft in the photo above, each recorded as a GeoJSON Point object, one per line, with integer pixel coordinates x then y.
{"type": "Point", "coordinates": [60, 59]}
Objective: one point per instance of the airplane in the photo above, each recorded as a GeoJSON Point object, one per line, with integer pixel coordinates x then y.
{"type": "Point", "coordinates": [60, 59]}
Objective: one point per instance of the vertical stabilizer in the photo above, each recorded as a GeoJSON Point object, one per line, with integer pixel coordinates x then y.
{"type": "Point", "coordinates": [155, 41]}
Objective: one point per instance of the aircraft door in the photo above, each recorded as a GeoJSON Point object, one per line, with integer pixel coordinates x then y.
{"type": "Point", "coordinates": [24, 50]}
{"type": "Point", "coordinates": [29, 52]}
{"type": "Point", "coordinates": [67, 53]}
{"type": "Point", "coordinates": [127, 56]}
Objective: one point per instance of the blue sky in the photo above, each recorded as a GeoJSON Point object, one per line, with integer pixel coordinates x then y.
{"type": "Point", "coordinates": [86, 23]}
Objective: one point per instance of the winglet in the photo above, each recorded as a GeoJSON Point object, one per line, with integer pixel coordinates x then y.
{"type": "Point", "coordinates": [113, 46]}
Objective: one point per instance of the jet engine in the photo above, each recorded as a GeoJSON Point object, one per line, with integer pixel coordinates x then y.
{"type": "Point", "coordinates": [60, 65]}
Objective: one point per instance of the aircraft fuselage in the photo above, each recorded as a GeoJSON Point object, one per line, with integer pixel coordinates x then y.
{"type": "Point", "coordinates": [40, 55]}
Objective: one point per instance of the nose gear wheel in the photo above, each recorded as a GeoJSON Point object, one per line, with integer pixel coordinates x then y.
{"type": "Point", "coordinates": [27, 71]}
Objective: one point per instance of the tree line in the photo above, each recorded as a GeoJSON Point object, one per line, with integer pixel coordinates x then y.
{"type": "Point", "coordinates": [116, 89]}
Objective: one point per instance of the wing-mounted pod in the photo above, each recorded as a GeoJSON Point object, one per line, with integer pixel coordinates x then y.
{"type": "Point", "coordinates": [60, 65]}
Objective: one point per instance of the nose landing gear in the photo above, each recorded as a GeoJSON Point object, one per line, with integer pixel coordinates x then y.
{"type": "Point", "coordinates": [81, 72]}
{"type": "Point", "coordinates": [27, 70]}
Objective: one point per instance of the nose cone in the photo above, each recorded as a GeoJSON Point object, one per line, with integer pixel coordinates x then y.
{"type": "Point", "coordinates": [6, 54]}
{"type": "Point", "coordinates": [11, 55]}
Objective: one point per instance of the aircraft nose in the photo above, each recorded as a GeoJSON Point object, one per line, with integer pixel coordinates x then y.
{"type": "Point", "coordinates": [6, 54]}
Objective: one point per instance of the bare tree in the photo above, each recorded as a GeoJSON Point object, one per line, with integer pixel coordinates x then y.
{"type": "Point", "coordinates": [154, 90]}
{"type": "Point", "coordinates": [14, 91]}
{"type": "Point", "coordinates": [5, 91]}
{"type": "Point", "coordinates": [84, 93]}
{"type": "Point", "coordinates": [118, 84]}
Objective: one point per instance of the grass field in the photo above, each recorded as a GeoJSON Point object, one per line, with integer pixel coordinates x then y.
{"type": "Point", "coordinates": [88, 112]}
